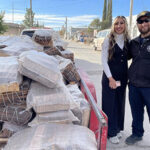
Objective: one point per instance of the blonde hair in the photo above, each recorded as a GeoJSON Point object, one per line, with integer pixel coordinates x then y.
{"type": "Point", "coordinates": [112, 41]}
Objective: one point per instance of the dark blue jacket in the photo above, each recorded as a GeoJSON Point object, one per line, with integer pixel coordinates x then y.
{"type": "Point", "coordinates": [139, 71]}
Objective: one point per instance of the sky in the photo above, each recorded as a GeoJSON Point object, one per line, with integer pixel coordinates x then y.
{"type": "Point", "coordinates": [79, 13]}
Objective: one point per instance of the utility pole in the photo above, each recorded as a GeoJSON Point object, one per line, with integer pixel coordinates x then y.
{"type": "Point", "coordinates": [12, 11]}
{"type": "Point", "coordinates": [31, 23]}
{"type": "Point", "coordinates": [66, 28]}
{"type": "Point", "coordinates": [130, 19]}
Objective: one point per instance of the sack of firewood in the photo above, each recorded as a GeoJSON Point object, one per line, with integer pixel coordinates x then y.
{"type": "Point", "coordinates": [68, 70]}
{"type": "Point", "coordinates": [52, 51]}
{"type": "Point", "coordinates": [79, 98]}
{"type": "Point", "coordinates": [14, 98]}
{"type": "Point", "coordinates": [43, 37]}
{"type": "Point", "coordinates": [65, 117]}
{"type": "Point", "coordinates": [68, 55]}
{"type": "Point", "coordinates": [15, 115]}
{"type": "Point", "coordinates": [70, 73]}
{"type": "Point", "coordinates": [43, 99]}
{"type": "Point", "coordinates": [40, 67]}
{"type": "Point", "coordinates": [60, 48]}
{"type": "Point", "coordinates": [9, 129]}
{"type": "Point", "coordinates": [9, 71]}
{"type": "Point", "coordinates": [5, 133]}
{"type": "Point", "coordinates": [53, 137]}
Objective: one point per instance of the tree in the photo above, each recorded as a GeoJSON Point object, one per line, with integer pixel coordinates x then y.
{"type": "Point", "coordinates": [109, 16]}
{"type": "Point", "coordinates": [95, 24]}
{"type": "Point", "coordinates": [104, 25]}
{"type": "Point", "coordinates": [104, 11]}
{"type": "Point", "coordinates": [29, 18]}
{"type": "Point", "coordinates": [3, 27]}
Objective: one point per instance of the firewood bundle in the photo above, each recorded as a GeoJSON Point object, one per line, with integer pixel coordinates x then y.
{"type": "Point", "coordinates": [52, 51]}
{"type": "Point", "coordinates": [14, 98]}
{"type": "Point", "coordinates": [68, 55]}
{"type": "Point", "coordinates": [15, 115]}
{"type": "Point", "coordinates": [60, 48]}
{"type": "Point", "coordinates": [5, 133]}
{"type": "Point", "coordinates": [43, 40]}
{"type": "Point", "coordinates": [70, 73]}
{"type": "Point", "coordinates": [3, 46]}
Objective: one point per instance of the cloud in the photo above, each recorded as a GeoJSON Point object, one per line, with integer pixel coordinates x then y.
{"type": "Point", "coordinates": [52, 20]}
{"type": "Point", "coordinates": [17, 17]}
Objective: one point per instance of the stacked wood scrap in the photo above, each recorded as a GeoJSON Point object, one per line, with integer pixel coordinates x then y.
{"type": "Point", "coordinates": [2, 46]}
{"type": "Point", "coordinates": [70, 73]}
{"type": "Point", "coordinates": [5, 133]}
{"type": "Point", "coordinates": [52, 51]}
{"type": "Point", "coordinates": [15, 115]}
{"type": "Point", "coordinates": [43, 40]}
{"type": "Point", "coordinates": [14, 98]}
{"type": "Point", "coordinates": [43, 37]}
{"type": "Point", "coordinates": [60, 48]}
{"type": "Point", "coordinates": [68, 55]}
{"type": "Point", "coordinates": [11, 87]}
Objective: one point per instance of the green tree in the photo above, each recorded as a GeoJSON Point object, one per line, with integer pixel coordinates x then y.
{"type": "Point", "coordinates": [104, 11]}
{"type": "Point", "coordinates": [29, 18]}
{"type": "Point", "coordinates": [109, 16]}
{"type": "Point", "coordinates": [3, 27]}
{"type": "Point", "coordinates": [104, 25]}
{"type": "Point", "coordinates": [95, 24]}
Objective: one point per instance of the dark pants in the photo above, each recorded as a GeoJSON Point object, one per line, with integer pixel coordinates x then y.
{"type": "Point", "coordinates": [113, 104]}
{"type": "Point", "coordinates": [138, 98]}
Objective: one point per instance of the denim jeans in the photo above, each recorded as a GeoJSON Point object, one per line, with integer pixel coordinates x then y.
{"type": "Point", "coordinates": [138, 98]}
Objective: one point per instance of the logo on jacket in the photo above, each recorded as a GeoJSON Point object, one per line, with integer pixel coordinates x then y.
{"type": "Point", "coordinates": [148, 48]}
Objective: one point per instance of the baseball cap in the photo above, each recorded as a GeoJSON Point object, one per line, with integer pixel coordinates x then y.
{"type": "Point", "coordinates": [143, 14]}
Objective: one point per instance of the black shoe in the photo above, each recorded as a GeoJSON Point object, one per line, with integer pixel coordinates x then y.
{"type": "Point", "coordinates": [132, 139]}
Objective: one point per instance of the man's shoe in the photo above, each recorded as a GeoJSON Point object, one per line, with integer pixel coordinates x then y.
{"type": "Point", "coordinates": [132, 139]}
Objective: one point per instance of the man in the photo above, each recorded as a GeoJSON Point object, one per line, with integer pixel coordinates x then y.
{"type": "Point", "coordinates": [139, 77]}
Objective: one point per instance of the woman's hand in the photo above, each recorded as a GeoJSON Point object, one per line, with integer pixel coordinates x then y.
{"type": "Point", "coordinates": [112, 83]}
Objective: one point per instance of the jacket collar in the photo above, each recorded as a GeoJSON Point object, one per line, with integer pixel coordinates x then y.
{"type": "Point", "coordinates": [137, 39]}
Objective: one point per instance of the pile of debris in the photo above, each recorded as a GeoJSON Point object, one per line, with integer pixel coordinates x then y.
{"type": "Point", "coordinates": [39, 95]}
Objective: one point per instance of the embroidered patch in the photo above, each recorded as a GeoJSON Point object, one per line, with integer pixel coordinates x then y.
{"type": "Point", "coordinates": [148, 48]}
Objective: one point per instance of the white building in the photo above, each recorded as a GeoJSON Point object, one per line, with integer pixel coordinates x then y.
{"type": "Point", "coordinates": [134, 30]}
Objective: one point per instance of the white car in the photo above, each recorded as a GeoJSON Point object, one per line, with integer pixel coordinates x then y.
{"type": "Point", "coordinates": [98, 40]}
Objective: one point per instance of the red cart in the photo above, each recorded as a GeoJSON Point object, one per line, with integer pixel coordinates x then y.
{"type": "Point", "coordinates": [98, 120]}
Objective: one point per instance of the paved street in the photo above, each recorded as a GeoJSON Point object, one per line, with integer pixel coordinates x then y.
{"type": "Point", "coordinates": [90, 60]}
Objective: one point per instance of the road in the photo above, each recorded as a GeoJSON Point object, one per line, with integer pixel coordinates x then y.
{"type": "Point", "coordinates": [90, 60]}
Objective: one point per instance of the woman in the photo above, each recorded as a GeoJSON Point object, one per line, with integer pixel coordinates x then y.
{"type": "Point", "coordinates": [114, 80]}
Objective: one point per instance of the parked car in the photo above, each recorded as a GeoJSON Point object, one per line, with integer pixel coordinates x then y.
{"type": "Point", "coordinates": [98, 40]}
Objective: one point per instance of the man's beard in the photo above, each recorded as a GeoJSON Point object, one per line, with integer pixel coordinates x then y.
{"type": "Point", "coordinates": [145, 32]}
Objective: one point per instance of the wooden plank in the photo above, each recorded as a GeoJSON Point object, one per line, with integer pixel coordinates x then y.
{"type": "Point", "coordinates": [3, 140]}
{"type": "Point", "coordinates": [12, 87]}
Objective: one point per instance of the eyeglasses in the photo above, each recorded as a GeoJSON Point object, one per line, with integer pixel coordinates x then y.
{"type": "Point", "coordinates": [142, 21]}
